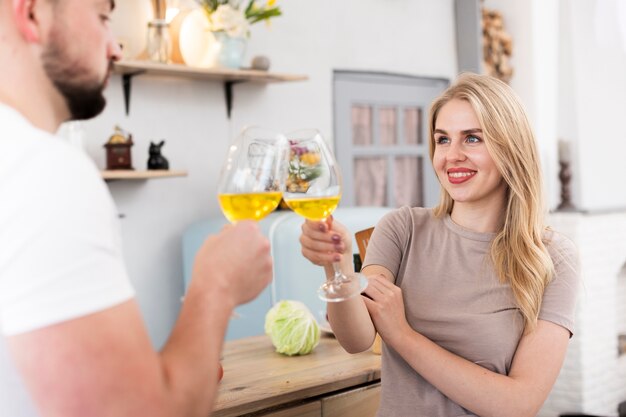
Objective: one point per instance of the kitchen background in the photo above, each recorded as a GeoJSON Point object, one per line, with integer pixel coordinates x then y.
{"type": "Point", "coordinates": [569, 60]}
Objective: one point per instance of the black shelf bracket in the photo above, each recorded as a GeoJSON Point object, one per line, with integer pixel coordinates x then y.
{"type": "Point", "coordinates": [127, 79]}
{"type": "Point", "coordinates": [228, 94]}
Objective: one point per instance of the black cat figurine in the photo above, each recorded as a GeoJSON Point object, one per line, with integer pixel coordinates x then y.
{"type": "Point", "coordinates": [156, 160]}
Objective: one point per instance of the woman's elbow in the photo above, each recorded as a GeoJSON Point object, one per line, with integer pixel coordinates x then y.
{"type": "Point", "coordinates": [520, 408]}
{"type": "Point", "coordinates": [355, 346]}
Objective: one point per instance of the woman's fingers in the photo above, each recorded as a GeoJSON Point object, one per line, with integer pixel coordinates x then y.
{"type": "Point", "coordinates": [373, 290]}
{"type": "Point", "coordinates": [378, 286]}
{"type": "Point", "coordinates": [319, 258]}
{"type": "Point", "coordinates": [319, 253]}
{"type": "Point", "coordinates": [315, 238]}
{"type": "Point", "coordinates": [321, 245]}
{"type": "Point", "coordinates": [319, 231]}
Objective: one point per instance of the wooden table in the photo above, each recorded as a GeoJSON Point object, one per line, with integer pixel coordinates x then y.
{"type": "Point", "coordinates": [257, 378]}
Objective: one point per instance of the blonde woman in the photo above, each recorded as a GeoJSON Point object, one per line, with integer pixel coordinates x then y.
{"type": "Point", "coordinates": [474, 299]}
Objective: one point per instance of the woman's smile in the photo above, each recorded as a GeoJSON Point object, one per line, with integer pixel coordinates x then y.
{"type": "Point", "coordinates": [460, 175]}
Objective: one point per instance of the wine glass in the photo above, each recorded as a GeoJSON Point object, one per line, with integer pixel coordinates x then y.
{"type": "Point", "coordinates": [313, 190]}
{"type": "Point", "coordinates": [250, 185]}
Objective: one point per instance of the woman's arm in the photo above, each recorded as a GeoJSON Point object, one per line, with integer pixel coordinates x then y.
{"type": "Point", "coordinates": [349, 319]}
{"type": "Point", "coordinates": [538, 359]}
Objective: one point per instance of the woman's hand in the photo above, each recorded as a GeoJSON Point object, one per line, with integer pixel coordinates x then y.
{"type": "Point", "coordinates": [323, 245]}
{"type": "Point", "coordinates": [385, 304]}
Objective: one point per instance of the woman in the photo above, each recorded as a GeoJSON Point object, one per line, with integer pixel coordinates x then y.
{"type": "Point", "coordinates": [474, 299]}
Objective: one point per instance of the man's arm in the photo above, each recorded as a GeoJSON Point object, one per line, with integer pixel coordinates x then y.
{"type": "Point", "coordinates": [103, 364]}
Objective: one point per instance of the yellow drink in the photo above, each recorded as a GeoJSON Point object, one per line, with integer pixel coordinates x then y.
{"type": "Point", "coordinates": [248, 206]}
{"type": "Point", "coordinates": [314, 208]}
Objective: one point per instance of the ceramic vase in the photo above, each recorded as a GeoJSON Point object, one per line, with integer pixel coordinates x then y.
{"type": "Point", "coordinates": [232, 50]}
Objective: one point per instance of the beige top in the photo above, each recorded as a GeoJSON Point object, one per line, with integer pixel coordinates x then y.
{"type": "Point", "coordinates": [452, 296]}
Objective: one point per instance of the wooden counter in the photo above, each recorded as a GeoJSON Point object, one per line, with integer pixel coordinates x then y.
{"type": "Point", "coordinates": [257, 378]}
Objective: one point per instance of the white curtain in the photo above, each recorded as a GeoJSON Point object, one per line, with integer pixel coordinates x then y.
{"type": "Point", "coordinates": [370, 173]}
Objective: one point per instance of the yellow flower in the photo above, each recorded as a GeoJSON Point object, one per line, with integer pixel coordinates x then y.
{"type": "Point", "coordinates": [310, 158]}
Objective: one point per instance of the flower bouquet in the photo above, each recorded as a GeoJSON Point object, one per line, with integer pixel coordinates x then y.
{"type": "Point", "coordinates": [230, 17]}
{"type": "Point", "coordinates": [304, 167]}
{"type": "Point", "coordinates": [230, 22]}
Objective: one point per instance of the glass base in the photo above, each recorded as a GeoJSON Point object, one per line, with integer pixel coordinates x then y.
{"type": "Point", "coordinates": [336, 291]}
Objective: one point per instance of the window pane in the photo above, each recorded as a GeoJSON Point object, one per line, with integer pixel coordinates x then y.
{"type": "Point", "coordinates": [413, 126]}
{"type": "Point", "coordinates": [387, 119]}
{"type": "Point", "coordinates": [408, 181]}
{"type": "Point", "coordinates": [361, 125]}
{"type": "Point", "coordinates": [370, 181]}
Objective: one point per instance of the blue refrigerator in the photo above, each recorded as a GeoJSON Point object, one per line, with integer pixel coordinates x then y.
{"type": "Point", "coordinates": [295, 278]}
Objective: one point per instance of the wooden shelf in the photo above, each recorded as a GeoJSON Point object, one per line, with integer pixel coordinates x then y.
{"type": "Point", "coordinates": [213, 74]}
{"type": "Point", "coordinates": [141, 175]}
{"type": "Point", "coordinates": [130, 68]}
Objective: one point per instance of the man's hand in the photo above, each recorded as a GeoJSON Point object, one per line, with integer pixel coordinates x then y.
{"type": "Point", "coordinates": [236, 261]}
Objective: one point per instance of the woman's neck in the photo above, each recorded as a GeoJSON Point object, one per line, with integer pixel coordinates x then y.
{"type": "Point", "coordinates": [483, 218]}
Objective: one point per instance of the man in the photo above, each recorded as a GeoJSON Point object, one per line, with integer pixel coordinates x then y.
{"type": "Point", "coordinates": [73, 343]}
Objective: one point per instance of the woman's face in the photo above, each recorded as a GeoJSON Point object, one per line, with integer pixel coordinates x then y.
{"type": "Point", "coordinates": [461, 160]}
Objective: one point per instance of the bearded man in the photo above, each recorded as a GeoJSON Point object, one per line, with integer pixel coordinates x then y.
{"type": "Point", "coordinates": [72, 340]}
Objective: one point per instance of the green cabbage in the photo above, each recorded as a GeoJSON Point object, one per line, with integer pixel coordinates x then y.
{"type": "Point", "coordinates": [292, 328]}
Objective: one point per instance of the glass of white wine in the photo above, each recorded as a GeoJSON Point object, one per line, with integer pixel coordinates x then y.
{"type": "Point", "coordinates": [313, 190]}
{"type": "Point", "coordinates": [250, 185]}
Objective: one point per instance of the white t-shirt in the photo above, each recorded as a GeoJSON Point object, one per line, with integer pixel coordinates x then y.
{"type": "Point", "coordinates": [60, 246]}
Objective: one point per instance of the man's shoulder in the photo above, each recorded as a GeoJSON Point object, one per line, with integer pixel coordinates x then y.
{"type": "Point", "coordinates": [28, 152]}
{"type": "Point", "coordinates": [36, 168]}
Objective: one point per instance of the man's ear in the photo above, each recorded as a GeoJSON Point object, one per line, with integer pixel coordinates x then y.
{"type": "Point", "coordinates": [26, 20]}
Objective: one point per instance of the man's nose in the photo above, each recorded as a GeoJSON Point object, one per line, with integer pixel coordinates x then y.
{"type": "Point", "coordinates": [115, 50]}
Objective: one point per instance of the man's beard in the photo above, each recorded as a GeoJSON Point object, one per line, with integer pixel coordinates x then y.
{"type": "Point", "coordinates": [83, 97]}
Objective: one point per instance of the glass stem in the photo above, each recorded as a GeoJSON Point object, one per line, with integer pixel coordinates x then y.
{"type": "Point", "coordinates": [339, 277]}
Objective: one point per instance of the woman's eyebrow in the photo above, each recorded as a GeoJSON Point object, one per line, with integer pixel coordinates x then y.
{"type": "Point", "coordinates": [465, 132]}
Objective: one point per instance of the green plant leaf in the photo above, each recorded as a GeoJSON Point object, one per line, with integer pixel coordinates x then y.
{"type": "Point", "coordinates": [252, 13]}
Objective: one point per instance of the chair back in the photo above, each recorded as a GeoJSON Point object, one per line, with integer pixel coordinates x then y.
{"type": "Point", "coordinates": [362, 239]}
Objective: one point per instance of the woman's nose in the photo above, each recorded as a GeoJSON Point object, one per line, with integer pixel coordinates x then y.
{"type": "Point", "coordinates": [455, 152]}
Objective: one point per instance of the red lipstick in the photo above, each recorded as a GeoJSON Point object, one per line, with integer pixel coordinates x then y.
{"type": "Point", "coordinates": [460, 175]}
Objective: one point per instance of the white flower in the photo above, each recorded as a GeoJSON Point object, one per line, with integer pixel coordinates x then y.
{"type": "Point", "coordinates": [230, 20]}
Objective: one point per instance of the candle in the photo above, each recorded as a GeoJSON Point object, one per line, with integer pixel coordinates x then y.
{"type": "Point", "coordinates": [564, 151]}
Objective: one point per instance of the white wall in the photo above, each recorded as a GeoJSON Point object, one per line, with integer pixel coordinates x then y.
{"type": "Point", "coordinates": [313, 38]}
{"type": "Point", "coordinates": [598, 81]}
{"type": "Point", "coordinates": [593, 377]}
{"type": "Point", "coordinates": [570, 71]}
{"type": "Point", "coordinates": [535, 61]}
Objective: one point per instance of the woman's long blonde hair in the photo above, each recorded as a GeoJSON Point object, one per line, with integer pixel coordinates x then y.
{"type": "Point", "coordinates": [518, 253]}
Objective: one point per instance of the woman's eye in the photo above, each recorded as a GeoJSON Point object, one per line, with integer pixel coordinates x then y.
{"type": "Point", "coordinates": [473, 139]}
{"type": "Point", "coordinates": [441, 140]}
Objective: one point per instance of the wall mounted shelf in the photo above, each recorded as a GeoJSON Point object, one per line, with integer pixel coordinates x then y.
{"type": "Point", "coordinates": [229, 77]}
{"type": "Point", "coordinates": [113, 175]}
